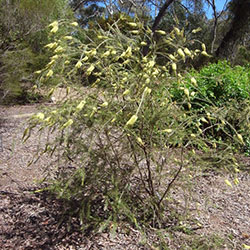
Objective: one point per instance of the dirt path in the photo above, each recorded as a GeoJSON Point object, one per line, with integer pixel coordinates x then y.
{"type": "Point", "coordinates": [31, 221]}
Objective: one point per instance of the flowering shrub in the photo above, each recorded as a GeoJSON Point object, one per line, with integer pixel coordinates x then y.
{"type": "Point", "coordinates": [123, 143]}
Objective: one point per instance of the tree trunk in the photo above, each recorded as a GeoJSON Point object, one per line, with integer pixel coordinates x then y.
{"type": "Point", "coordinates": [239, 27]}
{"type": "Point", "coordinates": [160, 15]}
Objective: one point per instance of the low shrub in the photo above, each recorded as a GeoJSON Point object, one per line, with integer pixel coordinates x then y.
{"type": "Point", "coordinates": [124, 143]}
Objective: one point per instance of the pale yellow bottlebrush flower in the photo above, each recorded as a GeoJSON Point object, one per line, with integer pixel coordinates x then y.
{"type": "Point", "coordinates": [155, 72]}
{"type": "Point", "coordinates": [132, 24]}
{"type": "Point", "coordinates": [196, 30]}
{"type": "Point", "coordinates": [203, 46]}
{"type": "Point", "coordinates": [68, 90]}
{"type": "Point", "coordinates": [85, 59]}
{"type": "Point", "coordinates": [67, 62]}
{"type": "Point", "coordinates": [203, 119]}
{"type": "Point", "coordinates": [50, 73]}
{"type": "Point", "coordinates": [193, 135]}
{"type": "Point", "coordinates": [78, 64]}
{"type": "Point", "coordinates": [55, 23]}
{"type": "Point", "coordinates": [93, 52]}
{"type": "Point", "coordinates": [96, 81]}
{"type": "Point", "coordinates": [106, 54]}
{"type": "Point", "coordinates": [172, 57]}
{"type": "Point", "coordinates": [168, 41]}
{"type": "Point", "coordinates": [186, 92]}
{"type": "Point", "coordinates": [174, 66]}
{"type": "Point", "coordinates": [236, 170]}
{"type": "Point", "coordinates": [147, 91]}
{"type": "Point", "coordinates": [51, 62]}
{"type": "Point", "coordinates": [245, 246]}
{"type": "Point", "coordinates": [126, 92]}
{"type": "Point", "coordinates": [74, 24]}
{"type": "Point", "coordinates": [193, 80]}
{"type": "Point", "coordinates": [161, 32]}
{"type": "Point", "coordinates": [51, 91]}
{"type": "Point", "coordinates": [105, 104]}
{"type": "Point", "coordinates": [102, 37]}
{"type": "Point", "coordinates": [126, 62]}
{"type": "Point", "coordinates": [68, 123]}
{"type": "Point", "coordinates": [47, 119]}
{"type": "Point", "coordinates": [151, 64]}
{"type": "Point", "coordinates": [181, 53]}
{"type": "Point", "coordinates": [132, 120]}
{"type": "Point", "coordinates": [59, 49]}
{"type": "Point", "coordinates": [135, 32]}
{"type": "Point", "coordinates": [80, 106]}
{"type": "Point", "coordinates": [147, 81]}
{"type": "Point", "coordinates": [177, 31]}
{"type": "Point", "coordinates": [38, 72]}
{"type": "Point", "coordinates": [55, 57]}
{"type": "Point", "coordinates": [51, 45]}
{"type": "Point", "coordinates": [168, 130]}
{"type": "Point", "coordinates": [127, 53]}
{"type": "Point", "coordinates": [124, 79]}
{"type": "Point", "coordinates": [187, 52]}
{"type": "Point", "coordinates": [239, 136]}
{"type": "Point", "coordinates": [90, 69]}
{"type": "Point", "coordinates": [204, 53]}
{"type": "Point", "coordinates": [68, 37]}
{"type": "Point", "coordinates": [54, 29]}
{"type": "Point", "coordinates": [94, 110]}
{"type": "Point", "coordinates": [139, 140]}
{"type": "Point", "coordinates": [40, 116]}
{"type": "Point", "coordinates": [143, 43]}
{"type": "Point", "coordinates": [228, 183]}
{"type": "Point", "coordinates": [236, 181]}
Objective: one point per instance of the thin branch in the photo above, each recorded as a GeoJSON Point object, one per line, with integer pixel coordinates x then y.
{"type": "Point", "coordinates": [173, 180]}
{"type": "Point", "coordinates": [161, 14]}
{"type": "Point", "coordinates": [78, 5]}
{"type": "Point", "coordinates": [216, 17]}
{"type": "Point", "coordinates": [137, 164]}
{"type": "Point", "coordinates": [150, 178]}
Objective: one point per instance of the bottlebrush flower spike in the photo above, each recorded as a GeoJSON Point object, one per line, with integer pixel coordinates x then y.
{"type": "Point", "coordinates": [132, 120]}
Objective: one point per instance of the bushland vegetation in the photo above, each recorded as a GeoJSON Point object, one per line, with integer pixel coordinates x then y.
{"type": "Point", "coordinates": [146, 110]}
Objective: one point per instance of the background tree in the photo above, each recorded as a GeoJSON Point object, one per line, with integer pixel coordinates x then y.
{"type": "Point", "coordinates": [22, 38]}
{"type": "Point", "coordinates": [239, 28]}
